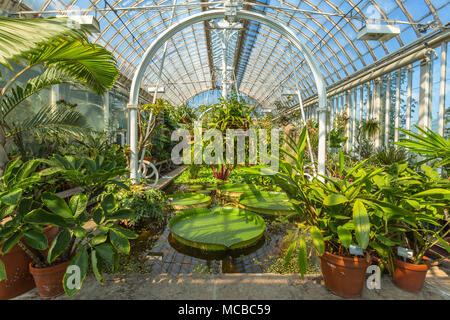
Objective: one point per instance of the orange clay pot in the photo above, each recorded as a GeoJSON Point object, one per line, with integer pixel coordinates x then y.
{"type": "Point", "coordinates": [344, 276]}
{"type": "Point", "coordinates": [410, 277]}
{"type": "Point", "coordinates": [49, 281]}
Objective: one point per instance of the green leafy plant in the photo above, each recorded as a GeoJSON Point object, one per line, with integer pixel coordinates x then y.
{"type": "Point", "coordinates": [66, 56]}
{"type": "Point", "coordinates": [95, 246]}
{"type": "Point", "coordinates": [429, 144]}
{"type": "Point", "coordinates": [145, 203]}
{"type": "Point", "coordinates": [92, 175]}
{"type": "Point", "coordinates": [412, 211]}
{"type": "Point", "coordinates": [390, 155]}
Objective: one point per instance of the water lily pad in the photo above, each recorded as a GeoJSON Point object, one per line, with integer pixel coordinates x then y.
{"type": "Point", "coordinates": [183, 201]}
{"type": "Point", "coordinates": [273, 203]}
{"type": "Point", "coordinates": [222, 228]}
{"type": "Point", "coordinates": [233, 191]}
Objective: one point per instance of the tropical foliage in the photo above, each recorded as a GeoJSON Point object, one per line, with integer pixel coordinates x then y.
{"type": "Point", "coordinates": [65, 56]}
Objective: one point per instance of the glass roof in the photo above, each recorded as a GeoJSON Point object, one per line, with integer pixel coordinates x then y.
{"type": "Point", "coordinates": [260, 59]}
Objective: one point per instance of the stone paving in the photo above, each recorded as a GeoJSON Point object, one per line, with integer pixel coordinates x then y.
{"type": "Point", "coordinates": [240, 286]}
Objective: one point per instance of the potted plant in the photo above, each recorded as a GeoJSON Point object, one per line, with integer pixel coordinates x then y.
{"type": "Point", "coordinates": [419, 198]}
{"type": "Point", "coordinates": [19, 181]}
{"type": "Point", "coordinates": [337, 213]}
{"type": "Point", "coordinates": [74, 248]}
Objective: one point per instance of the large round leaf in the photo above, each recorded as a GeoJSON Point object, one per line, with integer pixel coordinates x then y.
{"type": "Point", "coordinates": [267, 202]}
{"type": "Point", "coordinates": [220, 229]}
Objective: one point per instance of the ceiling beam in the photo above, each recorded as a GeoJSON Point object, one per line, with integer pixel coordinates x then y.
{"type": "Point", "coordinates": [209, 48]}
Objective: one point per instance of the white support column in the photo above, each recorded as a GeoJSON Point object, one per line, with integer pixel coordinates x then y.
{"type": "Point", "coordinates": [133, 134]}
{"type": "Point", "coordinates": [361, 104]}
{"type": "Point", "coordinates": [377, 110]}
{"type": "Point", "coordinates": [348, 111]}
{"type": "Point", "coordinates": [442, 88]}
{"type": "Point", "coordinates": [397, 106]}
{"type": "Point", "coordinates": [55, 94]}
{"type": "Point", "coordinates": [342, 106]}
{"type": "Point", "coordinates": [106, 114]}
{"type": "Point", "coordinates": [387, 111]}
{"type": "Point", "coordinates": [354, 92]}
{"type": "Point", "coordinates": [369, 100]}
{"type": "Point", "coordinates": [409, 99]}
{"type": "Point", "coordinates": [224, 66]}
{"type": "Point", "coordinates": [424, 94]}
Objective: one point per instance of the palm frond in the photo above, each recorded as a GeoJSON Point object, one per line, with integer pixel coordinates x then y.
{"type": "Point", "coordinates": [86, 62]}
{"type": "Point", "coordinates": [18, 36]}
{"type": "Point", "coordinates": [53, 119]}
{"type": "Point", "coordinates": [14, 96]}
{"type": "Point", "coordinates": [429, 144]}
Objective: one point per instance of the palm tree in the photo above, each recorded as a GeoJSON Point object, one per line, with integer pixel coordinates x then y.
{"type": "Point", "coordinates": [66, 56]}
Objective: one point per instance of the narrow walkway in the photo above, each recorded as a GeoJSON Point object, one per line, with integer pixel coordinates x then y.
{"type": "Point", "coordinates": [240, 286]}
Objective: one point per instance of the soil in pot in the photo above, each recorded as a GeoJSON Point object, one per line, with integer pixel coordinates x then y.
{"type": "Point", "coordinates": [408, 276]}
{"type": "Point", "coordinates": [344, 276]}
{"type": "Point", "coordinates": [19, 280]}
{"type": "Point", "coordinates": [49, 281]}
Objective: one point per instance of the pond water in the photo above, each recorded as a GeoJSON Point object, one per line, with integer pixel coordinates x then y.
{"type": "Point", "coordinates": [169, 256]}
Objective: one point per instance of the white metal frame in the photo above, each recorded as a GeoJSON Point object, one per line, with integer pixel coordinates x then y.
{"type": "Point", "coordinates": [217, 14]}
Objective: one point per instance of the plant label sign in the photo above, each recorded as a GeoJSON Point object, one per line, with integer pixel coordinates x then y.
{"type": "Point", "coordinates": [355, 250]}
{"type": "Point", "coordinates": [405, 253]}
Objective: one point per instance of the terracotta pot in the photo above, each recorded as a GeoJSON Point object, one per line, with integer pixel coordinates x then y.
{"type": "Point", "coordinates": [49, 281]}
{"type": "Point", "coordinates": [19, 280]}
{"type": "Point", "coordinates": [344, 276]}
{"type": "Point", "coordinates": [410, 277]}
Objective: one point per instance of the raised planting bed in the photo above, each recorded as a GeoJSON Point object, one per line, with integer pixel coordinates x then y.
{"type": "Point", "coordinates": [183, 201]}
{"type": "Point", "coordinates": [232, 191]}
{"type": "Point", "coordinates": [223, 228]}
{"type": "Point", "coordinates": [269, 202]}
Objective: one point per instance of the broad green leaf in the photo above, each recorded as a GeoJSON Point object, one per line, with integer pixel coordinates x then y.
{"type": "Point", "coordinates": [57, 205]}
{"type": "Point", "coordinates": [59, 245]}
{"type": "Point", "coordinates": [437, 192]}
{"type": "Point", "coordinates": [318, 241]}
{"type": "Point", "coordinates": [81, 260]}
{"type": "Point", "coordinates": [334, 199]}
{"type": "Point", "coordinates": [106, 252]}
{"type": "Point", "coordinates": [119, 241]}
{"type": "Point", "coordinates": [96, 267]}
{"type": "Point", "coordinates": [127, 233]}
{"type": "Point", "coordinates": [108, 204]}
{"type": "Point", "coordinates": [79, 232]}
{"type": "Point", "coordinates": [11, 242]}
{"type": "Point", "coordinates": [12, 197]}
{"type": "Point", "coordinates": [98, 216]}
{"type": "Point", "coordinates": [362, 223]}
{"type": "Point", "coordinates": [36, 239]}
{"type": "Point", "coordinates": [345, 236]}
{"type": "Point", "coordinates": [341, 161]}
{"type": "Point", "coordinates": [120, 214]}
{"type": "Point", "coordinates": [40, 216]}
{"type": "Point", "coordinates": [444, 243]}
{"type": "Point", "coordinates": [302, 256]}
{"type": "Point", "coordinates": [78, 204]}
{"type": "Point", "coordinates": [289, 253]}
{"type": "Point", "coordinates": [386, 241]}
{"type": "Point", "coordinates": [99, 239]}
{"type": "Point", "coordinates": [2, 271]}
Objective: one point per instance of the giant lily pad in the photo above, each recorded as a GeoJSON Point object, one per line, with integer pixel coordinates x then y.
{"type": "Point", "coordinates": [222, 228]}
{"type": "Point", "coordinates": [183, 201]}
{"type": "Point", "coordinates": [234, 191]}
{"type": "Point", "coordinates": [273, 203]}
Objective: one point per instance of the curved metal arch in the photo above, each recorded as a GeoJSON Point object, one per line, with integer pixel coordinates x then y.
{"type": "Point", "coordinates": [217, 14]}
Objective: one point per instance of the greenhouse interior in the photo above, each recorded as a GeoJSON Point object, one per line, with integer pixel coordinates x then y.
{"type": "Point", "coordinates": [121, 178]}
